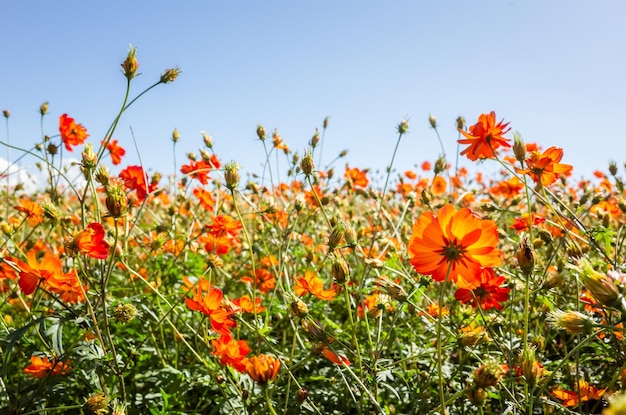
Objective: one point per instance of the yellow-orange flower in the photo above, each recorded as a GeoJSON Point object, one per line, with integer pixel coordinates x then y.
{"type": "Point", "coordinates": [582, 389]}
{"type": "Point", "coordinates": [454, 245]}
{"type": "Point", "coordinates": [312, 284]}
{"type": "Point", "coordinates": [484, 137]}
{"type": "Point", "coordinates": [356, 177]}
{"type": "Point", "coordinates": [34, 212]}
{"type": "Point", "coordinates": [545, 167]}
{"type": "Point", "coordinates": [262, 368]}
{"type": "Point", "coordinates": [40, 367]}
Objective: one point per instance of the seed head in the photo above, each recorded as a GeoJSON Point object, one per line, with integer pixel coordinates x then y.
{"type": "Point", "coordinates": [489, 374]}
{"type": "Point", "coordinates": [125, 312]}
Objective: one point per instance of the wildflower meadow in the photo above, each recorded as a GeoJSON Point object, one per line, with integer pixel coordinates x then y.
{"type": "Point", "coordinates": [332, 291]}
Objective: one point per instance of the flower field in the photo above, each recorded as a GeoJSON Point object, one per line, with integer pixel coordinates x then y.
{"type": "Point", "coordinates": [334, 291]}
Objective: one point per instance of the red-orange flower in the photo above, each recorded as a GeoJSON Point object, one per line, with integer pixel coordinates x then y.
{"type": "Point", "coordinates": [264, 280]}
{"type": "Point", "coordinates": [205, 198]}
{"type": "Point", "coordinates": [34, 212]}
{"type": "Point", "coordinates": [522, 223]}
{"type": "Point", "coordinates": [67, 286]}
{"type": "Point", "coordinates": [210, 304]}
{"type": "Point", "coordinates": [116, 151]}
{"type": "Point", "coordinates": [334, 357]}
{"type": "Point", "coordinates": [489, 294]}
{"type": "Point", "coordinates": [356, 177]}
{"type": "Point", "coordinates": [90, 241]}
{"type": "Point", "coordinates": [32, 271]}
{"type": "Point", "coordinates": [545, 167]}
{"type": "Point", "coordinates": [312, 284]}
{"type": "Point", "coordinates": [484, 137]}
{"type": "Point", "coordinates": [454, 245]}
{"type": "Point", "coordinates": [262, 368]}
{"type": "Point", "coordinates": [216, 245]}
{"type": "Point", "coordinates": [198, 170]}
{"type": "Point", "coordinates": [135, 178]}
{"type": "Point", "coordinates": [231, 352]}
{"type": "Point", "coordinates": [582, 389]}
{"type": "Point", "coordinates": [72, 134]}
{"type": "Point", "coordinates": [224, 226]}
{"type": "Point", "coordinates": [41, 367]}
{"type": "Point", "coordinates": [507, 188]}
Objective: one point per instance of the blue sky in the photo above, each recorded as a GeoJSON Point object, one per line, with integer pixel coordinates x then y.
{"type": "Point", "coordinates": [553, 69]}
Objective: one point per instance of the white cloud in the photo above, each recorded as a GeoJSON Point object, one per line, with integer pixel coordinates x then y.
{"type": "Point", "coordinates": [33, 178]}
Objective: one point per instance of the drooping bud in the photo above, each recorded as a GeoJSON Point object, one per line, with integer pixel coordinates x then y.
{"type": "Point", "coordinates": [526, 256]}
{"type": "Point", "coordinates": [130, 65]}
{"type": "Point", "coordinates": [394, 290]}
{"type": "Point", "coordinates": [231, 175]}
{"type": "Point", "coordinates": [570, 321]}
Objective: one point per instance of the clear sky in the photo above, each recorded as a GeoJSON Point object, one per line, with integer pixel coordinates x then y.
{"type": "Point", "coordinates": [556, 70]}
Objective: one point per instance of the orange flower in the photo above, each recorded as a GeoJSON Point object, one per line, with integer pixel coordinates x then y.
{"type": "Point", "coordinates": [426, 166]}
{"type": "Point", "coordinates": [545, 167]}
{"type": "Point", "coordinates": [135, 178]}
{"type": "Point", "coordinates": [41, 367]}
{"type": "Point", "coordinates": [72, 134]}
{"type": "Point", "coordinates": [34, 212]}
{"type": "Point", "coordinates": [489, 294]}
{"type": "Point", "coordinates": [31, 271]}
{"type": "Point", "coordinates": [7, 271]}
{"type": "Point", "coordinates": [507, 188]}
{"type": "Point", "coordinates": [206, 198]}
{"type": "Point", "coordinates": [454, 245]}
{"type": "Point", "coordinates": [67, 286]}
{"type": "Point", "coordinates": [231, 352]}
{"type": "Point", "coordinates": [433, 310]}
{"type": "Point", "coordinates": [264, 281]}
{"type": "Point", "coordinates": [262, 368]}
{"type": "Point", "coordinates": [439, 185]}
{"type": "Point", "coordinates": [582, 388]}
{"type": "Point", "coordinates": [224, 226]}
{"type": "Point", "coordinates": [312, 284]}
{"type": "Point", "coordinates": [246, 306]}
{"type": "Point", "coordinates": [216, 245]}
{"type": "Point", "coordinates": [116, 152]}
{"type": "Point", "coordinates": [522, 223]}
{"type": "Point", "coordinates": [198, 170]}
{"type": "Point", "coordinates": [210, 304]}
{"type": "Point", "coordinates": [90, 241]}
{"type": "Point", "coordinates": [278, 142]}
{"type": "Point", "coordinates": [334, 357]}
{"type": "Point", "coordinates": [484, 137]}
{"type": "Point", "coordinates": [356, 177]}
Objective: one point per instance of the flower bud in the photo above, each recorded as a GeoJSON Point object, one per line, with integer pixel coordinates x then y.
{"type": "Point", "coordinates": [231, 175]}
{"type": "Point", "coordinates": [43, 109]}
{"type": "Point", "coordinates": [612, 168]}
{"type": "Point", "coordinates": [489, 374]}
{"type": "Point", "coordinates": [102, 175]}
{"type": "Point", "coordinates": [89, 157]}
{"type": "Point", "coordinates": [570, 321]}
{"type": "Point", "coordinates": [307, 164]}
{"type": "Point", "coordinates": [403, 127]}
{"type": "Point", "coordinates": [432, 120]}
{"type": "Point", "coordinates": [170, 75]}
{"type": "Point", "coordinates": [526, 256]}
{"type": "Point", "coordinates": [6, 113]}
{"type": "Point", "coordinates": [315, 139]}
{"type": "Point", "coordinates": [460, 123]}
{"type": "Point", "coordinates": [313, 329]}
{"type": "Point", "coordinates": [52, 149]}
{"type": "Point", "coordinates": [175, 135]}
{"type": "Point", "coordinates": [298, 308]}
{"type": "Point", "coordinates": [476, 395]}
{"type": "Point", "coordinates": [336, 236]}
{"type": "Point", "coordinates": [394, 290]}
{"type": "Point", "coordinates": [50, 211]}
{"type": "Point", "coordinates": [260, 132]}
{"type": "Point", "coordinates": [529, 365]}
{"type": "Point", "coordinates": [116, 201]}
{"type": "Point", "coordinates": [301, 396]}
{"type": "Point", "coordinates": [440, 165]}
{"type": "Point", "coordinates": [339, 269]}
{"type": "Point", "coordinates": [350, 236]}
{"type": "Point", "coordinates": [601, 286]}
{"type": "Point", "coordinates": [130, 65]}
{"type": "Point", "coordinates": [208, 141]}
{"type": "Point", "coordinates": [519, 148]}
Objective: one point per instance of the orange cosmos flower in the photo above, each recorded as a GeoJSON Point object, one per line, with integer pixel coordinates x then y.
{"type": "Point", "coordinates": [544, 167]}
{"type": "Point", "coordinates": [116, 151]}
{"type": "Point", "coordinates": [41, 367]}
{"type": "Point", "coordinates": [454, 245]}
{"type": "Point", "coordinates": [34, 212]}
{"type": "Point", "coordinates": [522, 223]}
{"type": "Point", "coordinates": [232, 353]}
{"type": "Point", "coordinates": [507, 188]}
{"type": "Point", "coordinates": [72, 134]}
{"type": "Point", "coordinates": [489, 294]}
{"type": "Point", "coordinates": [67, 286]}
{"type": "Point", "coordinates": [205, 198]}
{"type": "Point", "coordinates": [484, 137]}
{"type": "Point", "coordinates": [224, 226]}
{"type": "Point", "coordinates": [426, 166]}
{"type": "Point", "coordinates": [135, 178]}
{"type": "Point", "coordinates": [262, 368]}
{"type": "Point", "coordinates": [216, 245]}
{"type": "Point", "coordinates": [32, 271]}
{"type": "Point", "coordinates": [582, 388]}
{"type": "Point", "coordinates": [332, 356]}
{"type": "Point", "coordinates": [438, 186]}
{"type": "Point", "coordinates": [90, 241]}
{"type": "Point", "coordinates": [246, 306]}
{"type": "Point", "coordinates": [198, 170]}
{"type": "Point", "coordinates": [312, 284]}
{"type": "Point", "coordinates": [210, 304]}
{"type": "Point", "coordinates": [264, 280]}
{"type": "Point", "coordinates": [356, 177]}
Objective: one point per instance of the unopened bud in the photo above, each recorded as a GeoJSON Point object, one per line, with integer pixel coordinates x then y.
{"type": "Point", "coordinates": [460, 123]}
{"type": "Point", "coordinates": [313, 329]}
{"type": "Point", "coordinates": [432, 120]}
{"type": "Point", "coordinates": [6, 113]}
{"type": "Point", "coordinates": [519, 148]}
{"type": "Point", "coordinates": [301, 396]}
{"type": "Point", "coordinates": [570, 321]}
{"type": "Point", "coordinates": [489, 374]}
{"type": "Point", "coordinates": [339, 269]}
{"type": "Point", "coordinates": [102, 175]}
{"type": "Point", "coordinates": [336, 236]}
{"type": "Point", "coordinates": [98, 404]}
{"type": "Point", "coordinates": [175, 135]}
{"type": "Point", "coordinates": [208, 141]}
{"type": "Point", "coordinates": [403, 127]}
{"type": "Point", "coordinates": [307, 164]}
{"type": "Point", "coordinates": [612, 168]}
{"type": "Point", "coordinates": [52, 149]}
{"type": "Point", "coordinates": [394, 290]}
{"type": "Point", "coordinates": [526, 256]}
{"type": "Point", "coordinates": [260, 132]}
{"type": "Point", "coordinates": [231, 175]}
{"type": "Point", "coordinates": [43, 108]}
{"type": "Point", "coordinates": [89, 157]}
{"type": "Point", "coordinates": [298, 308]}
{"type": "Point", "coordinates": [315, 139]}
{"type": "Point", "coordinates": [130, 65]}
{"type": "Point", "coordinates": [440, 165]}
{"type": "Point", "coordinates": [116, 201]}
{"type": "Point", "coordinates": [170, 75]}
{"type": "Point", "coordinates": [601, 286]}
